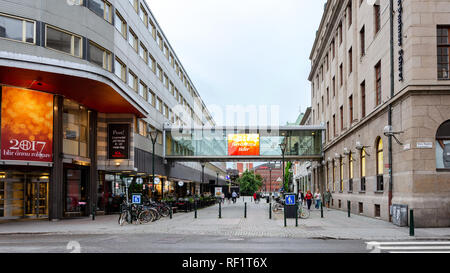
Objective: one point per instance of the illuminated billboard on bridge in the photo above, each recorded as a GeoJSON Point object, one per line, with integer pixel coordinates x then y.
{"type": "Point", "coordinates": [243, 145]}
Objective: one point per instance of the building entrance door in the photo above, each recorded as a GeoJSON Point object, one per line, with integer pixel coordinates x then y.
{"type": "Point", "coordinates": [36, 196]}
{"type": "Point", "coordinates": [75, 192]}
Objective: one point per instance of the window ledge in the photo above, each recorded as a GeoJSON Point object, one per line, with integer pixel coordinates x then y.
{"type": "Point", "coordinates": [378, 192]}
{"type": "Point", "coordinates": [362, 192]}
{"type": "Point", "coordinates": [350, 192]}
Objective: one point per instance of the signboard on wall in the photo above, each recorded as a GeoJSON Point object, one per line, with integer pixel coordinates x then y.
{"type": "Point", "coordinates": [118, 141]}
{"type": "Point", "coordinates": [243, 144]}
{"type": "Point", "coordinates": [26, 125]}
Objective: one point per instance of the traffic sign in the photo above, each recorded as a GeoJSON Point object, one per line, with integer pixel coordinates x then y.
{"type": "Point", "coordinates": [290, 199]}
{"type": "Point", "coordinates": [136, 198]}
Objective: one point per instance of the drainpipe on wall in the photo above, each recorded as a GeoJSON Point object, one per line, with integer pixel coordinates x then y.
{"type": "Point", "coordinates": [391, 182]}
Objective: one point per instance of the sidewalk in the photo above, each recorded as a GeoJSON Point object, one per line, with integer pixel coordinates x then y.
{"type": "Point", "coordinates": [334, 225]}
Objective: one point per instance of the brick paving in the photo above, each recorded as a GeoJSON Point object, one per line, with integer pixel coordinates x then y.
{"type": "Point", "coordinates": [334, 225]}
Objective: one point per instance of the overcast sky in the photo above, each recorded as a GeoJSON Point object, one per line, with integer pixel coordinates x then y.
{"type": "Point", "coordinates": [244, 52]}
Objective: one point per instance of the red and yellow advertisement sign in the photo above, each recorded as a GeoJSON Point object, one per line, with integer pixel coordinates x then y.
{"type": "Point", "coordinates": [243, 144]}
{"type": "Point", "coordinates": [27, 125]}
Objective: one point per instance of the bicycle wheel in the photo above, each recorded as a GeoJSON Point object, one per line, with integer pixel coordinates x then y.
{"type": "Point", "coordinates": [155, 214]}
{"type": "Point", "coordinates": [165, 211]}
{"type": "Point", "coordinates": [145, 216]}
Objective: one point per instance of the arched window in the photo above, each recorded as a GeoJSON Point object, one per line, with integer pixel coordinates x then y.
{"type": "Point", "coordinates": [363, 169]}
{"type": "Point", "coordinates": [380, 164]}
{"type": "Point", "coordinates": [443, 146]}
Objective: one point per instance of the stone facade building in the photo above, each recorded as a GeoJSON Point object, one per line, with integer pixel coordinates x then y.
{"type": "Point", "coordinates": [354, 96]}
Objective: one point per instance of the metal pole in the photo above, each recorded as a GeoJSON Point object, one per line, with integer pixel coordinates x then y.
{"type": "Point", "coordinates": [296, 215]}
{"type": "Point", "coordinates": [171, 212]}
{"type": "Point", "coordinates": [153, 169]}
{"type": "Point", "coordinates": [270, 210]}
{"type": "Point", "coordinates": [348, 208]}
{"type": "Point", "coordinates": [321, 210]}
{"type": "Point", "coordinates": [245, 211]}
{"type": "Point", "coordinates": [411, 222]}
{"type": "Point", "coordinates": [220, 210]}
{"type": "Point", "coordinates": [195, 209]}
{"type": "Point", "coordinates": [285, 216]}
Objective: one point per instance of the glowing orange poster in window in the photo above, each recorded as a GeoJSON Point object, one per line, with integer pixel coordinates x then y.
{"type": "Point", "coordinates": [27, 125]}
{"type": "Point", "coordinates": [243, 144]}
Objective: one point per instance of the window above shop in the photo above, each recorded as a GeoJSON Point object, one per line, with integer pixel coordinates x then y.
{"type": "Point", "coordinates": [100, 56]}
{"type": "Point", "coordinates": [63, 41]}
{"type": "Point", "coordinates": [17, 29]}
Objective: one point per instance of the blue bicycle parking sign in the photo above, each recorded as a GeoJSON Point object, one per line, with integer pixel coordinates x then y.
{"type": "Point", "coordinates": [290, 199]}
{"type": "Point", "coordinates": [136, 199]}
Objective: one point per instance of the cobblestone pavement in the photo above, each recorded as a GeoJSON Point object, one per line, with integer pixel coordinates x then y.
{"type": "Point", "coordinates": [334, 225]}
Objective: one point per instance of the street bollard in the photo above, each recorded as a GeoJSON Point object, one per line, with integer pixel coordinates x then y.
{"type": "Point", "coordinates": [195, 208]}
{"type": "Point", "coordinates": [245, 211]}
{"type": "Point", "coordinates": [270, 210]}
{"type": "Point", "coordinates": [348, 208]}
{"type": "Point", "coordinates": [285, 224]}
{"type": "Point", "coordinates": [411, 222]}
{"type": "Point", "coordinates": [93, 214]}
{"type": "Point", "coordinates": [296, 215]}
{"type": "Point", "coordinates": [220, 211]}
{"type": "Point", "coordinates": [171, 212]}
{"type": "Point", "coordinates": [321, 210]}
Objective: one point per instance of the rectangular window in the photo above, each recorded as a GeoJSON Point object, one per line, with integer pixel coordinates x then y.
{"type": "Point", "coordinates": [17, 29]}
{"type": "Point", "coordinates": [160, 41]}
{"type": "Point", "coordinates": [63, 41]}
{"type": "Point", "coordinates": [350, 103]}
{"type": "Point", "coordinates": [152, 63]}
{"type": "Point", "coordinates": [166, 81]}
{"type": "Point", "coordinates": [152, 98]}
{"type": "Point", "coordinates": [328, 131]}
{"type": "Point", "coordinates": [350, 61]}
{"type": "Point", "coordinates": [363, 99]}
{"type": "Point", "coordinates": [341, 74]}
{"type": "Point", "coordinates": [443, 48]}
{"type": "Point", "coordinates": [377, 18]}
{"type": "Point", "coordinates": [334, 125]}
{"type": "Point", "coordinates": [334, 87]}
{"type": "Point", "coordinates": [378, 83]}
{"type": "Point", "coordinates": [172, 88]}
{"type": "Point", "coordinates": [101, 8]}
{"type": "Point", "coordinates": [166, 51]}
{"type": "Point", "coordinates": [120, 69]}
{"type": "Point", "coordinates": [134, 3]}
{"type": "Point", "coordinates": [166, 111]}
{"type": "Point", "coordinates": [100, 56]}
{"type": "Point", "coordinates": [143, 53]}
{"type": "Point", "coordinates": [152, 28]}
{"type": "Point", "coordinates": [75, 128]}
{"type": "Point", "coordinates": [362, 41]}
{"type": "Point", "coordinates": [333, 49]}
{"type": "Point", "coordinates": [350, 14]}
{"type": "Point", "coordinates": [142, 127]}
{"type": "Point", "coordinates": [159, 105]}
{"type": "Point", "coordinates": [133, 40]}
{"type": "Point", "coordinates": [142, 89]}
{"type": "Point", "coordinates": [342, 117]}
{"type": "Point", "coordinates": [160, 74]}
{"type": "Point", "coordinates": [340, 34]}
{"type": "Point", "coordinates": [120, 24]}
{"type": "Point", "coordinates": [328, 96]}
{"type": "Point", "coordinates": [144, 16]}
{"type": "Point", "coordinates": [132, 80]}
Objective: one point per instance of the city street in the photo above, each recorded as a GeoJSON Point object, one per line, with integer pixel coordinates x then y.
{"type": "Point", "coordinates": [335, 233]}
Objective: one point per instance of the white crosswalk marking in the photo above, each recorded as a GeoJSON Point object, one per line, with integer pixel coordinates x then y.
{"type": "Point", "coordinates": [409, 247]}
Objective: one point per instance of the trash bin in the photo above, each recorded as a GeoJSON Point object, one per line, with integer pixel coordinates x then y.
{"type": "Point", "coordinates": [291, 208]}
{"type": "Point", "coordinates": [399, 215]}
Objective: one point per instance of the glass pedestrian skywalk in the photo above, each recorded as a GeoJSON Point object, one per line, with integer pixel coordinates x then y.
{"type": "Point", "coordinates": [242, 143]}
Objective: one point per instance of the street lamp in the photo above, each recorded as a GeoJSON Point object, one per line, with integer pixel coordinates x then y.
{"type": "Point", "coordinates": [283, 150]}
{"type": "Point", "coordinates": [153, 136]}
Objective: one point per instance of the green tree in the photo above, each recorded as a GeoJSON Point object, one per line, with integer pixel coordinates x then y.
{"type": "Point", "coordinates": [287, 176]}
{"type": "Point", "coordinates": [249, 183]}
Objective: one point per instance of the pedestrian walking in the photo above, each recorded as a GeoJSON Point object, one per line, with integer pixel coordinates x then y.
{"type": "Point", "coordinates": [326, 198]}
{"type": "Point", "coordinates": [308, 198]}
{"type": "Point", "coordinates": [317, 198]}
{"type": "Point", "coordinates": [233, 196]}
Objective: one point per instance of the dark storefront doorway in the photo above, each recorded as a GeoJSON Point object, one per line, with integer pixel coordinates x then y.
{"type": "Point", "coordinates": [76, 192]}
